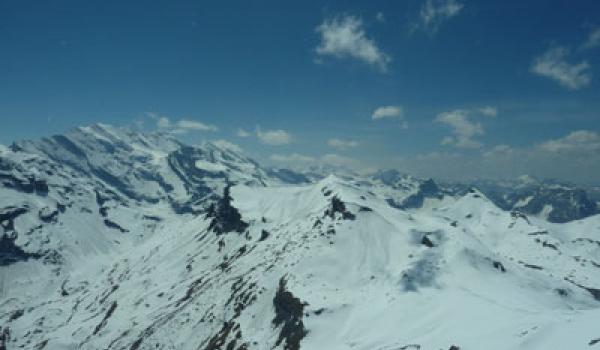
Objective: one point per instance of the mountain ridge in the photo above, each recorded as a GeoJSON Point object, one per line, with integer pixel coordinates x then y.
{"type": "Point", "coordinates": [225, 256]}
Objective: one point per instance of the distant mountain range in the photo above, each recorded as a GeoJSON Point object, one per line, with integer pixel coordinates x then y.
{"type": "Point", "coordinates": [112, 239]}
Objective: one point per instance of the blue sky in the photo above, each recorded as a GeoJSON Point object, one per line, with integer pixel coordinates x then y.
{"type": "Point", "coordinates": [461, 87]}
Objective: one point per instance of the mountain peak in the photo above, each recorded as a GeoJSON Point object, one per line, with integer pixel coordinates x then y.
{"type": "Point", "coordinates": [133, 240]}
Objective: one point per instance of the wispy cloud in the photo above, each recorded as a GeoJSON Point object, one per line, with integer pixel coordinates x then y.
{"type": "Point", "coordinates": [576, 141]}
{"type": "Point", "coordinates": [344, 36]}
{"type": "Point", "coordinates": [342, 144]}
{"type": "Point", "coordinates": [273, 137]}
{"type": "Point", "coordinates": [242, 133]}
{"type": "Point", "coordinates": [435, 12]}
{"type": "Point", "coordinates": [553, 64]}
{"type": "Point", "coordinates": [181, 126]}
{"type": "Point", "coordinates": [463, 128]}
{"type": "Point", "coordinates": [489, 111]}
{"type": "Point", "coordinates": [593, 39]}
{"type": "Point", "coordinates": [194, 125]}
{"type": "Point", "coordinates": [389, 112]}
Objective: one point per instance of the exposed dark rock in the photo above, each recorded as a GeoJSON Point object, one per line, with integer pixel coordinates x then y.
{"type": "Point", "coordinates": [498, 265]}
{"type": "Point", "coordinates": [225, 218]}
{"type": "Point", "coordinates": [549, 245]}
{"type": "Point", "coordinates": [183, 163]}
{"type": "Point", "coordinates": [587, 240]}
{"type": "Point", "coordinates": [152, 218]}
{"type": "Point", "coordinates": [61, 207]}
{"type": "Point", "coordinates": [319, 311]}
{"type": "Point", "coordinates": [114, 225]}
{"type": "Point", "coordinates": [109, 313]}
{"type": "Point", "coordinates": [392, 203]}
{"type": "Point", "coordinates": [218, 340]}
{"type": "Point", "coordinates": [263, 235]}
{"type": "Point", "coordinates": [337, 206]}
{"type": "Point", "coordinates": [519, 215]}
{"type": "Point", "coordinates": [594, 341]}
{"type": "Point", "coordinates": [9, 214]}
{"type": "Point", "coordinates": [16, 314]}
{"type": "Point", "coordinates": [41, 345]}
{"type": "Point", "coordinates": [288, 312]}
{"type": "Point", "coordinates": [538, 233]}
{"type": "Point", "coordinates": [454, 347]}
{"type": "Point", "coordinates": [4, 337]}
{"type": "Point", "coordinates": [24, 183]}
{"type": "Point", "coordinates": [63, 289]}
{"type": "Point", "coordinates": [317, 223]}
{"type": "Point", "coordinates": [51, 257]}
{"type": "Point", "coordinates": [427, 242]}
{"type": "Point", "coordinates": [11, 253]}
{"type": "Point", "coordinates": [48, 215]}
{"type": "Point", "coordinates": [593, 291]}
{"type": "Point", "coordinates": [534, 267]}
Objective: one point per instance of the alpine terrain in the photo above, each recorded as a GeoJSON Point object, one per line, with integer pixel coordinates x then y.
{"type": "Point", "coordinates": [113, 239]}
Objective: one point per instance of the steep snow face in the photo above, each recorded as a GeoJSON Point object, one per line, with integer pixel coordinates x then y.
{"type": "Point", "coordinates": [223, 256]}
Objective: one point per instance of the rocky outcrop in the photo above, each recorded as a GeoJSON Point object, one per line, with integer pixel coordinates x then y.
{"type": "Point", "coordinates": [288, 315]}
{"type": "Point", "coordinates": [337, 206]}
{"type": "Point", "coordinates": [225, 218]}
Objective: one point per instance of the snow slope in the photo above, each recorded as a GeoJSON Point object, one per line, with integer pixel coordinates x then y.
{"type": "Point", "coordinates": [200, 248]}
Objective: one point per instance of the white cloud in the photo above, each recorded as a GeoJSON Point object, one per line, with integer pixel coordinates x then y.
{"type": "Point", "coordinates": [293, 158]}
{"type": "Point", "coordinates": [593, 39]}
{"type": "Point", "coordinates": [553, 64]}
{"type": "Point", "coordinates": [489, 111]}
{"type": "Point", "coordinates": [499, 150]}
{"type": "Point", "coordinates": [391, 112]}
{"type": "Point", "coordinates": [577, 141]}
{"type": "Point", "coordinates": [342, 144]}
{"type": "Point", "coordinates": [344, 36]}
{"type": "Point", "coordinates": [435, 12]}
{"type": "Point", "coordinates": [194, 125]}
{"type": "Point", "coordinates": [242, 133]}
{"type": "Point", "coordinates": [573, 157]}
{"type": "Point", "coordinates": [273, 137]}
{"type": "Point", "coordinates": [463, 128]}
{"type": "Point", "coordinates": [379, 17]}
{"type": "Point", "coordinates": [181, 126]}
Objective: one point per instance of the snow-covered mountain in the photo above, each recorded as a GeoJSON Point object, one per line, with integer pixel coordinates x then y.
{"type": "Point", "coordinates": [111, 239]}
{"type": "Point", "coordinates": [553, 200]}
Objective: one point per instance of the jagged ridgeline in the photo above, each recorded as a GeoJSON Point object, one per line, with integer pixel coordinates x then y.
{"type": "Point", "coordinates": [113, 239]}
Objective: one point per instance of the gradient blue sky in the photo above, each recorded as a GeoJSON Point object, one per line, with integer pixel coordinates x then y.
{"type": "Point", "coordinates": [268, 66]}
